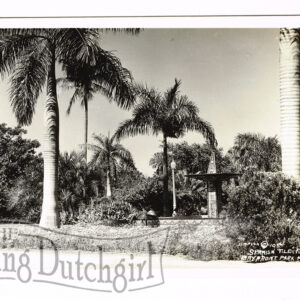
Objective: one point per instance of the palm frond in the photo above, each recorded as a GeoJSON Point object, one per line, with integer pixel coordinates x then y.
{"type": "Point", "coordinates": [65, 83]}
{"type": "Point", "coordinates": [123, 155]}
{"type": "Point", "coordinates": [27, 32]}
{"type": "Point", "coordinates": [103, 73]}
{"type": "Point", "coordinates": [146, 93]}
{"type": "Point", "coordinates": [13, 48]}
{"type": "Point", "coordinates": [27, 82]}
{"type": "Point", "coordinates": [106, 92]}
{"type": "Point", "coordinates": [77, 94]}
{"type": "Point", "coordinates": [131, 127]}
{"type": "Point", "coordinates": [171, 94]}
{"type": "Point", "coordinates": [197, 124]}
{"type": "Point", "coordinates": [99, 158]}
{"type": "Point", "coordinates": [110, 74]}
{"type": "Point", "coordinates": [92, 147]}
{"type": "Point", "coordinates": [100, 139]}
{"type": "Point", "coordinates": [185, 108]}
{"type": "Point", "coordinates": [77, 44]}
{"type": "Point", "coordinates": [132, 31]}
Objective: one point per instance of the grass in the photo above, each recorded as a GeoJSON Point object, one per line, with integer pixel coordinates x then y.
{"type": "Point", "coordinates": [194, 241]}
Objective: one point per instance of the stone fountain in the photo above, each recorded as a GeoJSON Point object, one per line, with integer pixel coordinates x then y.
{"type": "Point", "coordinates": [214, 186]}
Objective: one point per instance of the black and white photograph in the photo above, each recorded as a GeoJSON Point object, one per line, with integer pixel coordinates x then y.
{"type": "Point", "coordinates": [149, 161]}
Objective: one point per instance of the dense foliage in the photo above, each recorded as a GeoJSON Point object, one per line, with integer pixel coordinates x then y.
{"type": "Point", "coordinates": [145, 195]}
{"type": "Point", "coordinates": [265, 206]}
{"type": "Point", "coordinates": [192, 158]}
{"type": "Point", "coordinates": [106, 211]}
{"type": "Point", "coordinates": [19, 173]}
{"type": "Point", "coordinates": [256, 152]}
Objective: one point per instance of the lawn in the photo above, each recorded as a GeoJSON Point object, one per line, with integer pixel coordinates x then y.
{"type": "Point", "coordinates": [195, 241]}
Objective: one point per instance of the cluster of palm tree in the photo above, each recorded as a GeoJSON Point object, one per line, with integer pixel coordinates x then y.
{"type": "Point", "coordinates": [31, 57]}
{"type": "Point", "coordinates": [80, 183]}
{"type": "Point", "coordinates": [169, 114]}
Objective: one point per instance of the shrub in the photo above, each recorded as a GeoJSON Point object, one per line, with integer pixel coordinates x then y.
{"type": "Point", "coordinates": [144, 196]}
{"type": "Point", "coordinates": [266, 207]}
{"type": "Point", "coordinates": [25, 198]}
{"type": "Point", "coordinates": [188, 204]}
{"type": "Point", "coordinates": [110, 212]}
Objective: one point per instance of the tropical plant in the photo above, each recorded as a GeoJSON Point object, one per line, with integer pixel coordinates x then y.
{"type": "Point", "coordinates": [16, 154]}
{"type": "Point", "coordinates": [21, 175]}
{"type": "Point", "coordinates": [114, 213]}
{"type": "Point", "coordinates": [256, 152]}
{"type": "Point", "coordinates": [289, 100]}
{"type": "Point", "coordinates": [144, 195]}
{"type": "Point", "coordinates": [102, 73]}
{"type": "Point", "coordinates": [191, 158]}
{"type": "Point", "coordinates": [31, 56]}
{"type": "Point", "coordinates": [109, 155]}
{"type": "Point", "coordinates": [171, 115]}
{"type": "Point", "coordinates": [78, 184]}
{"type": "Point", "coordinates": [265, 205]}
{"type": "Point", "coordinates": [24, 201]}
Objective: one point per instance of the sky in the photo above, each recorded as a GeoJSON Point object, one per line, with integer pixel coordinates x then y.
{"type": "Point", "coordinates": [232, 75]}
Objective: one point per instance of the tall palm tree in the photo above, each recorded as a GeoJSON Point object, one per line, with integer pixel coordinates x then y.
{"type": "Point", "coordinates": [171, 115]}
{"type": "Point", "coordinates": [109, 155]}
{"type": "Point", "coordinates": [290, 100]}
{"type": "Point", "coordinates": [103, 73]}
{"type": "Point", "coordinates": [31, 56]}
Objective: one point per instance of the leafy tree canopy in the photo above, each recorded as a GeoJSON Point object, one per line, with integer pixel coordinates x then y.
{"type": "Point", "coordinates": [256, 152]}
{"type": "Point", "coordinates": [16, 154]}
{"type": "Point", "coordinates": [191, 158]}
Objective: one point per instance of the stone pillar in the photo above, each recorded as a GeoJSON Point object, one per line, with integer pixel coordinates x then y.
{"type": "Point", "coordinates": [290, 101]}
{"type": "Point", "coordinates": [212, 189]}
{"type": "Point", "coordinates": [212, 200]}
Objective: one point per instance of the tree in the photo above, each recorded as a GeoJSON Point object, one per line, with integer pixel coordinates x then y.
{"type": "Point", "coordinates": [289, 100]}
{"type": "Point", "coordinates": [20, 170]}
{"type": "Point", "coordinates": [78, 183]}
{"type": "Point", "coordinates": [256, 152]}
{"type": "Point", "coordinates": [265, 207]}
{"type": "Point", "coordinates": [31, 56]}
{"type": "Point", "coordinates": [109, 155]}
{"type": "Point", "coordinates": [26, 195]}
{"type": "Point", "coordinates": [16, 154]}
{"type": "Point", "coordinates": [192, 158]}
{"type": "Point", "coordinates": [100, 74]}
{"type": "Point", "coordinates": [171, 115]}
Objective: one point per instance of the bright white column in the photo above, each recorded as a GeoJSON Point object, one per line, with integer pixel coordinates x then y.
{"type": "Point", "coordinates": [290, 101]}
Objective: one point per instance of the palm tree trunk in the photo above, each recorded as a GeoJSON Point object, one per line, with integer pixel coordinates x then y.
{"type": "Point", "coordinates": [108, 186]}
{"type": "Point", "coordinates": [290, 101]}
{"type": "Point", "coordinates": [85, 127]}
{"type": "Point", "coordinates": [50, 214]}
{"type": "Point", "coordinates": [165, 178]}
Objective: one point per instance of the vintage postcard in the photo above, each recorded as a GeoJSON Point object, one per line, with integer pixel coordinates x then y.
{"type": "Point", "coordinates": [150, 156]}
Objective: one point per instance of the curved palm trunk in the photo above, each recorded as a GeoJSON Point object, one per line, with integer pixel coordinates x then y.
{"type": "Point", "coordinates": [290, 101]}
{"type": "Point", "coordinates": [108, 185]}
{"type": "Point", "coordinates": [50, 214]}
{"type": "Point", "coordinates": [86, 126]}
{"type": "Point", "coordinates": [165, 178]}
